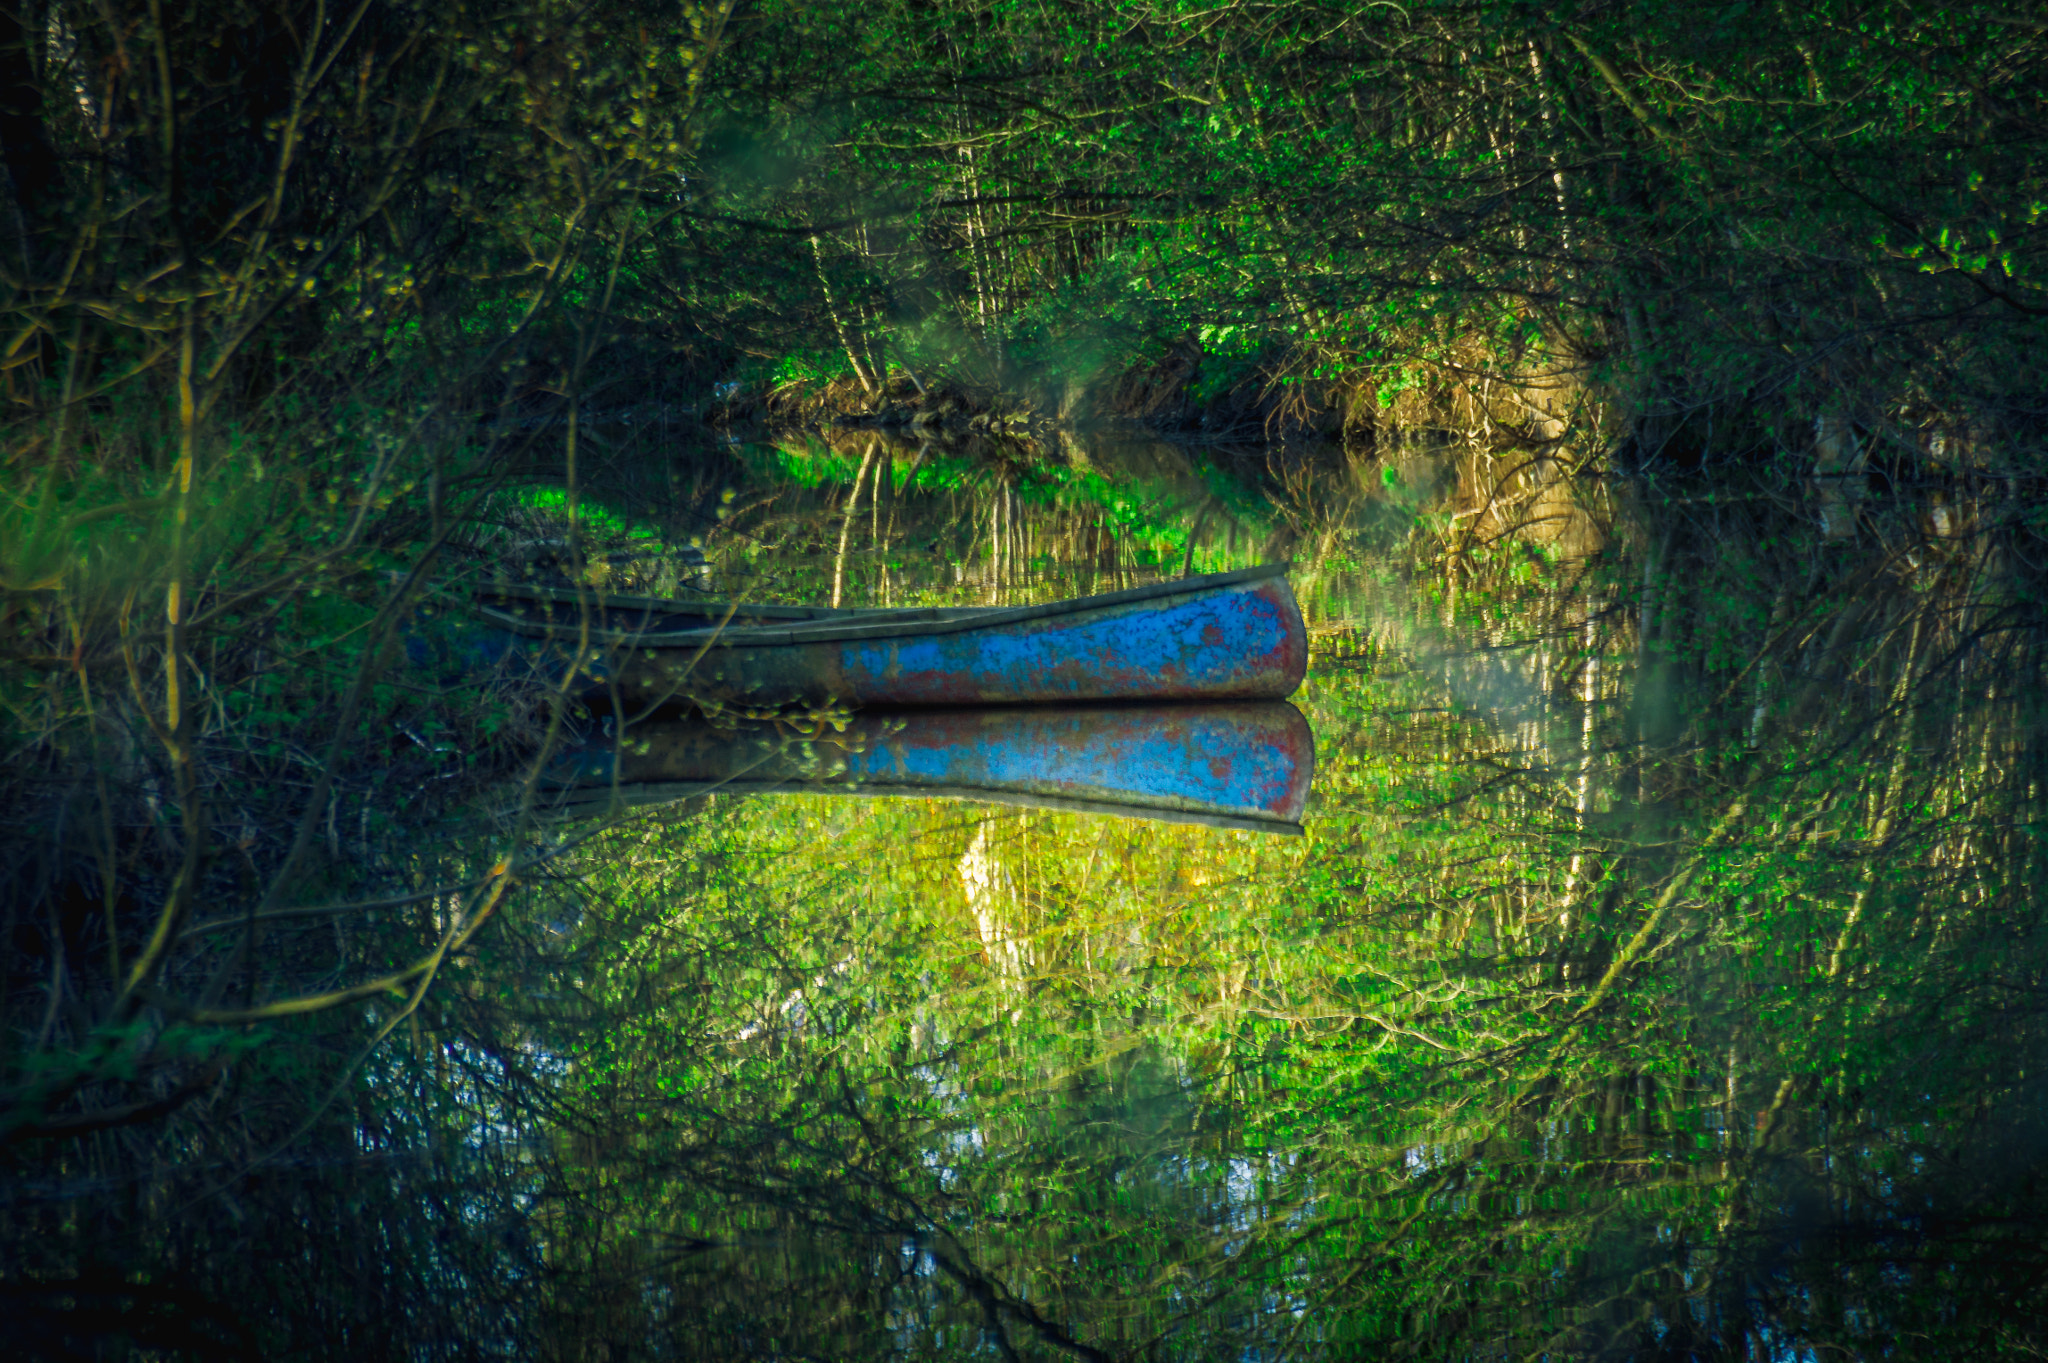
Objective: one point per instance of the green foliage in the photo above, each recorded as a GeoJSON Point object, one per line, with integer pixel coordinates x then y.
{"type": "Point", "coordinates": [290, 288]}
{"type": "Point", "coordinates": [1684, 213]}
{"type": "Point", "coordinates": [810, 368]}
{"type": "Point", "coordinates": [1660, 970]}
{"type": "Point", "coordinates": [1195, 1088]}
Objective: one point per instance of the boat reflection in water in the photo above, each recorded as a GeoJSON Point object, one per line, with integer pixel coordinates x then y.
{"type": "Point", "coordinates": [1242, 765]}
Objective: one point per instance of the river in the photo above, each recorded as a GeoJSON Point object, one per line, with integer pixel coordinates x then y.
{"type": "Point", "coordinates": [1657, 975]}
{"type": "Point", "coordinates": [1653, 970]}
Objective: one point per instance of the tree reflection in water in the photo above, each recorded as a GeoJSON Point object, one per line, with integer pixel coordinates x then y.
{"type": "Point", "coordinates": [1657, 979]}
{"type": "Point", "coordinates": [1659, 976]}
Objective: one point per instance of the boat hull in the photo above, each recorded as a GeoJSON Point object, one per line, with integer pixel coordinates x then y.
{"type": "Point", "coordinates": [1234, 636]}
{"type": "Point", "coordinates": [1246, 765]}
{"type": "Point", "coordinates": [1245, 642]}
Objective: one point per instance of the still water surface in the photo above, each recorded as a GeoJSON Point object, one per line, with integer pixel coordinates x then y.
{"type": "Point", "coordinates": [1658, 975]}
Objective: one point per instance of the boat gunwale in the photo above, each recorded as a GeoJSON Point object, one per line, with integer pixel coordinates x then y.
{"type": "Point", "coordinates": [916, 622]}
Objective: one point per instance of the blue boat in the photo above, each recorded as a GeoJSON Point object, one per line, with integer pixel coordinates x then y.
{"type": "Point", "coordinates": [1223, 636]}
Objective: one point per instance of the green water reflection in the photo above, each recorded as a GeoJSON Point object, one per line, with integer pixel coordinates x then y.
{"type": "Point", "coordinates": [1660, 976]}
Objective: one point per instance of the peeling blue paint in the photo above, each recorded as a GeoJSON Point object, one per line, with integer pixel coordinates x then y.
{"type": "Point", "coordinates": [1216, 645]}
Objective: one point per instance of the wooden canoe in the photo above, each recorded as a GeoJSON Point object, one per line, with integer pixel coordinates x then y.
{"type": "Point", "coordinates": [1244, 765]}
{"type": "Point", "coordinates": [1224, 636]}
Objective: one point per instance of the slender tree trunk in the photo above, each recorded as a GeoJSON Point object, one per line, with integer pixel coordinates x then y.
{"type": "Point", "coordinates": [846, 526]}
{"type": "Point", "coordinates": [860, 371]}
